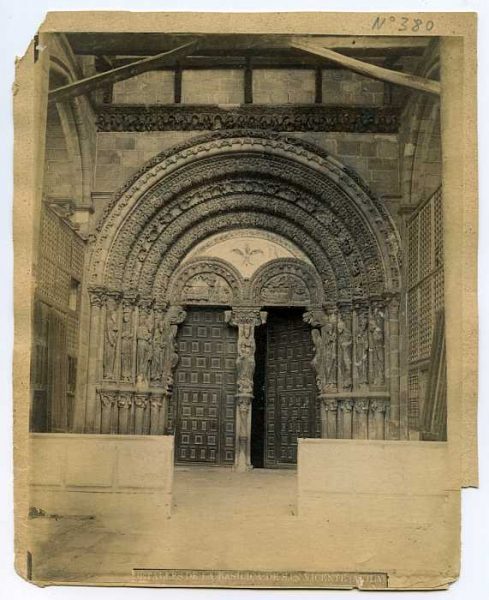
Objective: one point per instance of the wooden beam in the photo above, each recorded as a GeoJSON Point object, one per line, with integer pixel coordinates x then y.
{"type": "Point", "coordinates": [404, 79]}
{"type": "Point", "coordinates": [125, 72]}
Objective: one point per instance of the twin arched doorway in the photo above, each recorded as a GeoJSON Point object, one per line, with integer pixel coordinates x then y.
{"type": "Point", "coordinates": [243, 223]}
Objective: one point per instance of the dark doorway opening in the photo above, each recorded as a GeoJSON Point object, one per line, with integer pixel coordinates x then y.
{"type": "Point", "coordinates": [257, 444]}
{"type": "Point", "coordinates": [284, 407]}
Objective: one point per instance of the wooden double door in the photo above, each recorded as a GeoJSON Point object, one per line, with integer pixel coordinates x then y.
{"type": "Point", "coordinates": [203, 410]}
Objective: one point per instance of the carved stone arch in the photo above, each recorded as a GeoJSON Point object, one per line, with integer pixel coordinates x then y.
{"type": "Point", "coordinates": [308, 161]}
{"type": "Point", "coordinates": [165, 268]}
{"type": "Point", "coordinates": [74, 128]}
{"type": "Point", "coordinates": [286, 282]}
{"type": "Point", "coordinates": [208, 281]}
{"type": "Point", "coordinates": [156, 218]}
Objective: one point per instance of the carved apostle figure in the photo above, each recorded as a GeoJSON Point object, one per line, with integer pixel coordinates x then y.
{"type": "Point", "coordinates": [175, 316]}
{"type": "Point", "coordinates": [157, 352]}
{"type": "Point", "coordinates": [377, 337]}
{"type": "Point", "coordinates": [319, 362]}
{"type": "Point", "coordinates": [111, 338]}
{"type": "Point", "coordinates": [361, 349]}
{"type": "Point", "coordinates": [246, 358]}
{"type": "Point", "coordinates": [344, 351]}
{"type": "Point", "coordinates": [143, 354]}
{"type": "Point", "coordinates": [126, 344]}
{"type": "Point", "coordinates": [329, 334]}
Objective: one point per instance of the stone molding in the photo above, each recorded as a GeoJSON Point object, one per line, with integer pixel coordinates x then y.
{"type": "Point", "coordinates": [348, 119]}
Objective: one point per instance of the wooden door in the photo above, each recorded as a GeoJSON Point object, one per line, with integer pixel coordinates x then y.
{"type": "Point", "coordinates": [291, 409]}
{"type": "Point", "coordinates": [204, 396]}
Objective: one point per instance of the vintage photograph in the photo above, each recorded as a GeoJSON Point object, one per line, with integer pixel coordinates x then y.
{"type": "Point", "coordinates": [238, 366]}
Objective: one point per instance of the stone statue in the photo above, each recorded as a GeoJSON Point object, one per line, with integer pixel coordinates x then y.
{"type": "Point", "coordinates": [361, 349]}
{"type": "Point", "coordinates": [143, 348]}
{"type": "Point", "coordinates": [377, 337]}
{"type": "Point", "coordinates": [111, 339]}
{"type": "Point", "coordinates": [169, 355]}
{"type": "Point", "coordinates": [157, 351]}
{"type": "Point", "coordinates": [319, 362]}
{"type": "Point", "coordinates": [245, 362]}
{"type": "Point", "coordinates": [329, 335]}
{"type": "Point", "coordinates": [344, 350]}
{"type": "Point", "coordinates": [126, 344]}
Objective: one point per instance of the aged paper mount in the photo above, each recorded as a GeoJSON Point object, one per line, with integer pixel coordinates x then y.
{"type": "Point", "coordinates": [245, 299]}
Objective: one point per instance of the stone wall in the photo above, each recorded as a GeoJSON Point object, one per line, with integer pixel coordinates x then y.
{"type": "Point", "coordinates": [124, 480]}
{"type": "Point", "coordinates": [375, 157]}
{"type": "Point", "coordinates": [269, 86]}
{"type": "Point", "coordinates": [372, 494]}
{"type": "Point", "coordinates": [345, 87]}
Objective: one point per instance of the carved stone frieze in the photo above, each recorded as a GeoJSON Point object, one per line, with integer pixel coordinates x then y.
{"type": "Point", "coordinates": [352, 119]}
{"type": "Point", "coordinates": [307, 176]}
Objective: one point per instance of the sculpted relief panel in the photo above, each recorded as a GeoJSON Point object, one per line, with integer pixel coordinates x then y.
{"type": "Point", "coordinates": [247, 249]}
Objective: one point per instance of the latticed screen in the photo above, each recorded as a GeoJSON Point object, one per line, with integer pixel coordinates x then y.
{"type": "Point", "coordinates": [60, 269]}
{"type": "Point", "coordinates": [425, 290]}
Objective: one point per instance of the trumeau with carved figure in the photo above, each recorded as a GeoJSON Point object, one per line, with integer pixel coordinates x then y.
{"type": "Point", "coordinates": [240, 274]}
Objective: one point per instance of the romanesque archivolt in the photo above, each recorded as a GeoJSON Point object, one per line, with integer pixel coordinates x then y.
{"type": "Point", "coordinates": [347, 281]}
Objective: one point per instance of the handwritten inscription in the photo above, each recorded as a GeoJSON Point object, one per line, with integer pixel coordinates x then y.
{"type": "Point", "coordinates": [400, 23]}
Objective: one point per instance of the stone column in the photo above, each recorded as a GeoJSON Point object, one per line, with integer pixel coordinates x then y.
{"type": "Point", "coordinates": [156, 422]}
{"type": "Point", "coordinates": [124, 404]}
{"type": "Point", "coordinates": [330, 425]}
{"type": "Point", "coordinates": [108, 424]}
{"type": "Point", "coordinates": [92, 412]}
{"type": "Point", "coordinates": [140, 406]}
{"type": "Point", "coordinates": [245, 319]}
{"type": "Point", "coordinates": [360, 419]}
{"type": "Point", "coordinates": [345, 410]}
{"type": "Point", "coordinates": [377, 419]}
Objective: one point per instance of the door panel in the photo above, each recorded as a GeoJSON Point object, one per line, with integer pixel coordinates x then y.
{"type": "Point", "coordinates": [204, 390]}
{"type": "Point", "coordinates": [291, 407]}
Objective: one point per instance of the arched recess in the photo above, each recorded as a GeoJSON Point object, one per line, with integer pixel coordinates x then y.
{"type": "Point", "coordinates": [241, 179]}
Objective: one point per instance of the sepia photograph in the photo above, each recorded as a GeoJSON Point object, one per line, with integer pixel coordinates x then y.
{"type": "Point", "coordinates": [242, 295]}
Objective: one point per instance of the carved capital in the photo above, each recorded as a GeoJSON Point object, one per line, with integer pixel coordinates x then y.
{"type": "Point", "coordinates": [107, 398]}
{"type": "Point", "coordinates": [315, 318]}
{"type": "Point", "coordinates": [378, 405]}
{"type": "Point", "coordinates": [124, 400]}
{"type": "Point", "coordinates": [140, 400]}
{"type": "Point", "coordinates": [346, 405]}
{"type": "Point", "coordinates": [129, 298]}
{"type": "Point", "coordinates": [245, 316]}
{"type": "Point", "coordinates": [156, 401]}
{"type": "Point", "coordinates": [330, 404]}
{"type": "Point", "coordinates": [361, 405]}
{"type": "Point", "coordinates": [97, 296]}
{"type": "Point", "coordinates": [145, 304]}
